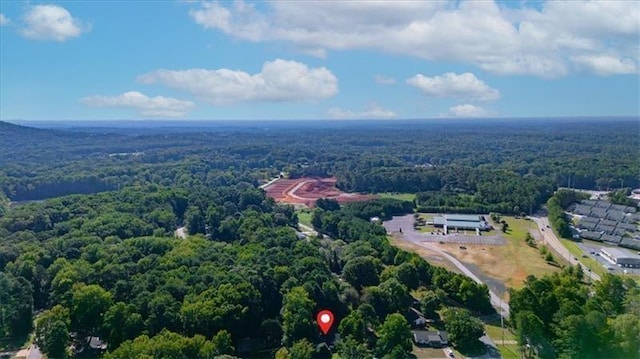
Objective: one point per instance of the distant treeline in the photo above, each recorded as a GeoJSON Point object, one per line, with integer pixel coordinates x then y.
{"type": "Point", "coordinates": [482, 160]}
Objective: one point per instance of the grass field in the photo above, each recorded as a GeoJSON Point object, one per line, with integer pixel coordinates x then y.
{"type": "Point", "coordinates": [396, 195]}
{"type": "Point", "coordinates": [510, 263]}
{"type": "Point", "coordinates": [427, 353]}
{"type": "Point", "coordinates": [495, 332]}
{"type": "Point", "coordinates": [304, 216]}
{"type": "Point", "coordinates": [509, 351]}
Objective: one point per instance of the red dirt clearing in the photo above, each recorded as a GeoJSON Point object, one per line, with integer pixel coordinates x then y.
{"type": "Point", "coordinates": [307, 190]}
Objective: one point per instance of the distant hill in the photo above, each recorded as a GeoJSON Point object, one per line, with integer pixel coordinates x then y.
{"type": "Point", "coordinates": [9, 130]}
{"type": "Point", "coordinates": [23, 144]}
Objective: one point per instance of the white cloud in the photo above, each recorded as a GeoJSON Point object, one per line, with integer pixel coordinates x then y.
{"type": "Point", "coordinates": [4, 20]}
{"type": "Point", "coordinates": [147, 106]}
{"type": "Point", "coordinates": [384, 80]}
{"type": "Point", "coordinates": [51, 22]}
{"type": "Point", "coordinates": [606, 65]}
{"type": "Point", "coordinates": [466, 110]}
{"type": "Point", "coordinates": [279, 80]}
{"type": "Point", "coordinates": [463, 86]}
{"type": "Point", "coordinates": [372, 111]}
{"type": "Point", "coordinates": [534, 39]}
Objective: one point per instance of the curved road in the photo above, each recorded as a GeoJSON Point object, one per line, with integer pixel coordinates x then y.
{"type": "Point", "coordinates": [554, 242]}
{"type": "Point", "coordinates": [410, 234]}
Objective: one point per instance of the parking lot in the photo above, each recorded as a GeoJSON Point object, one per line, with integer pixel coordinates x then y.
{"type": "Point", "coordinates": [404, 224]}
{"type": "Point", "coordinates": [591, 249]}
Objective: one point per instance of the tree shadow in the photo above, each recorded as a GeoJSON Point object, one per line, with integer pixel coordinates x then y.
{"type": "Point", "coordinates": [14, 343]}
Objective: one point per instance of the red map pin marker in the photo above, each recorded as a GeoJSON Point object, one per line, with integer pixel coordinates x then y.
{"type": "Point", "coordinates": [325, 321]}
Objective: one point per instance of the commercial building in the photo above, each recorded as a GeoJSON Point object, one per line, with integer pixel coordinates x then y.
{"type": "Point", "coordinates": [461, 221]}
{"type": "Point", "coordinates": [621, 257]}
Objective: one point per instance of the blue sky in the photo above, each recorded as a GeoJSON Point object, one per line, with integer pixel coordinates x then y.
{"type": "Point", "coordinates": [84, 60]}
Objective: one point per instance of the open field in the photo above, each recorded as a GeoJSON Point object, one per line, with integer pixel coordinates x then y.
{"type": "Point", "coordinates": [427, 353]}
{"type": "Point", "coordinates": [304, 216]}
{"type": "Point", "coordinates": [396, 195]}
{"type": "Point", "coordinates": [509, 348]}
{"type": "Point", "coordinates": [510, 263]}
{"type": "Point", "coordinates": [306, 190]}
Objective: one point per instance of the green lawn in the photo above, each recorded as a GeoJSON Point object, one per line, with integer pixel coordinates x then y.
{"type": "Point", "coordinates": [304, 216]}
{"type": "Point", "coordinates": [496, 333]}
{"type": "Point", "coordinates": [509, 351]}
{"type": "Point", "coordinates": [397, 195]}
{"type": "Point", "coordinates": [427, 353]}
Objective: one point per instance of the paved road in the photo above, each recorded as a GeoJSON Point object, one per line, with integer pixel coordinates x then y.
{"type": "Point", "coordinates": [410, 234]}
{"type": "Point", "coordinates": [265, 185]}
{"type": "Point", "coordinates": [553, 241]}
{"type": "Point", "coordinates": [34, 352]}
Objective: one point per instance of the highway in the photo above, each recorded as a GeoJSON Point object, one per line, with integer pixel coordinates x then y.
{"type": "Point", "coordinates": [553, 241]}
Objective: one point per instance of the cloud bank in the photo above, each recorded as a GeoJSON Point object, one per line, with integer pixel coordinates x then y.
{"type": "Point", "coordinates": [549, 40]}
{"type": "Point", "coordinates": [158, 106]}
{"type": "Point", "coordinates": [279, 80]}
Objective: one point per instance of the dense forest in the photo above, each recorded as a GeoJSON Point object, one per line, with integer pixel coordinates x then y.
{"type": "Point", "coordinates": [92, 252]}
{"type": "Point", "coordinates": [108, 265]}
{"type": "Point", "coordinates": [459, 158]}
{"type": "Point", "coordinates": [563, 316]}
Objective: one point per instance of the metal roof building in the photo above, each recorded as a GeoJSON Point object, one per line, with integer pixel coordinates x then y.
{"type": "Point", "coordinates": [621, 257]}
{"type": "Point", "coordinates": [461, 221]}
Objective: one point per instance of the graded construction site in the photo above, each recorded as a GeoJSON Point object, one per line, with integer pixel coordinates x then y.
{"type": "Point", "coordinates": [306, 190]}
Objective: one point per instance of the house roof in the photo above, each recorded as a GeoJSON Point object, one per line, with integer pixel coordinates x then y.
{"type": "Point", "coordinates": [598, 212]}
{"type": "Point", "coordinates": [414, 314]}
{"type": "Point", "coordinates": [608, 223]}
{"type": "Point", "coordinates": [590, 235]}
{"type": "Point", "coordinates": [430, 336]}
{"type": "Point", "coordinates": [603, 204]}
{"type": "Point", "coordinates": [627, 226]}
{"type": "Point", "coordinates": [605, 229]}
{"type": "Point", "coordinates": [582, 209]}
{"type": "Point", "coordinates": [420, 335]}
{"type": "Point", "coordinates": [96, 343]}
{"type": "Point", "coordinates": [611, 238]}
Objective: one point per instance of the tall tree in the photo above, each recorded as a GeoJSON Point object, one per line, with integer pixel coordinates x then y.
{"type": "Point", "coordinates": [464, 330]}
{"type": "Point", "coordinates": [297, 316]}
{"type": "Point", "coordinates": [52, 331]}
{"type": "Point", "coordinates": [394, 336]}
{"type": "Point", "coordinates": [362, 271]}
{"type": "Point", "coordinates": [89, 304]}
